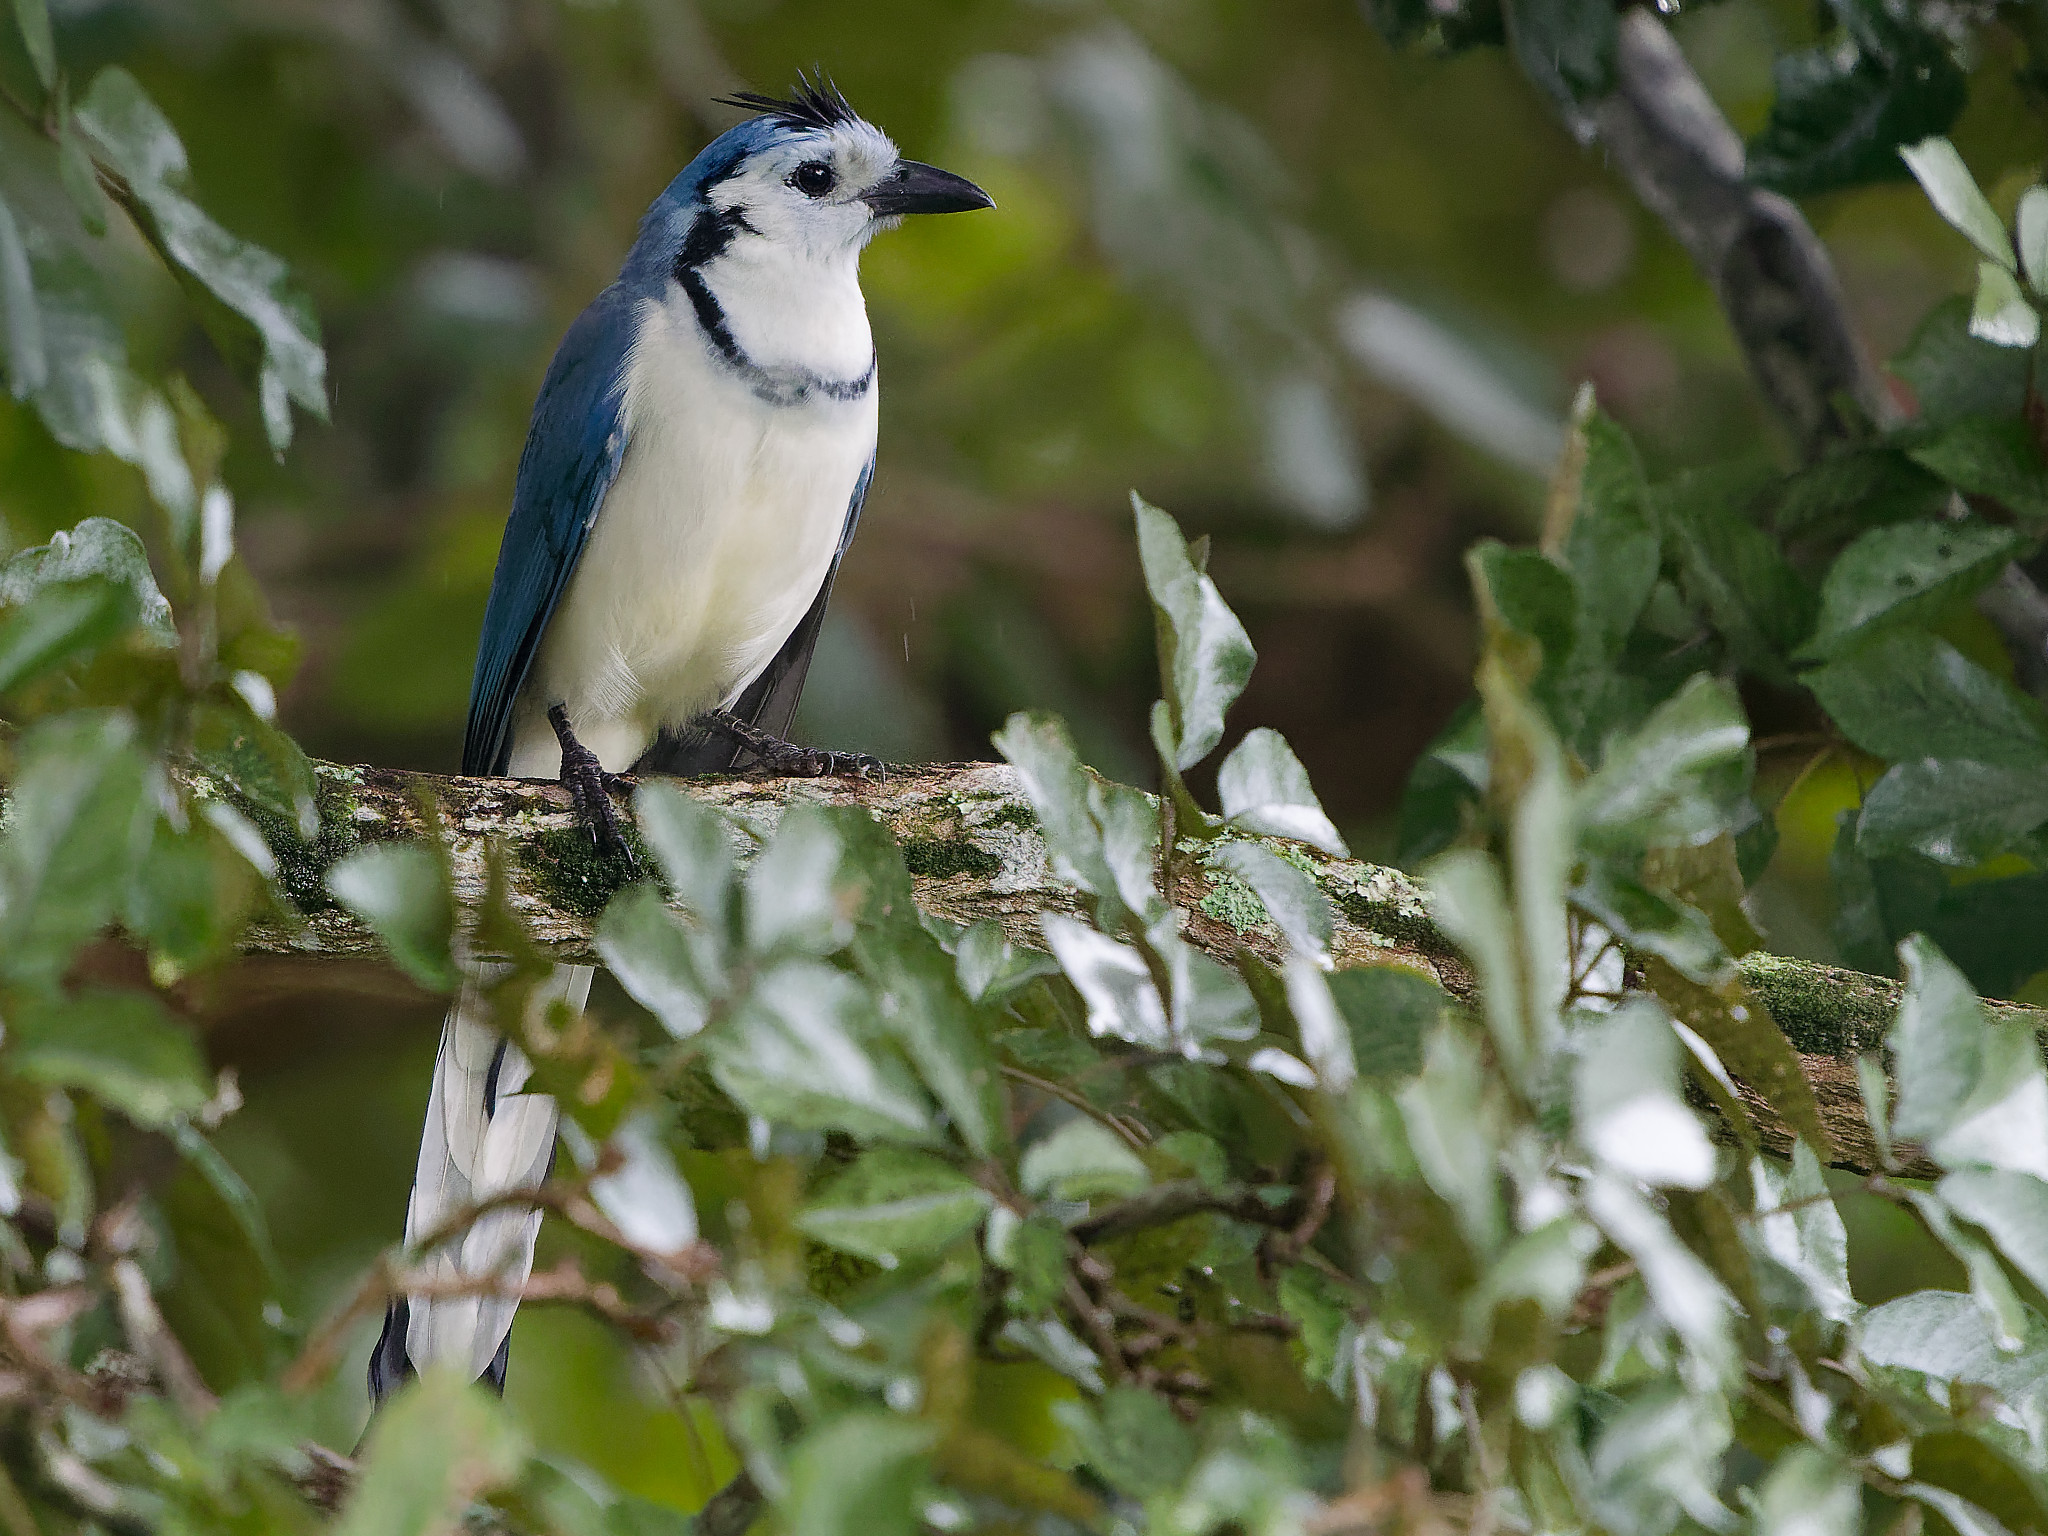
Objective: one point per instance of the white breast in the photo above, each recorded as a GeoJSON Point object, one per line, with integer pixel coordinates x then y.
{"type": "Point", "coordinates": [708, 550]}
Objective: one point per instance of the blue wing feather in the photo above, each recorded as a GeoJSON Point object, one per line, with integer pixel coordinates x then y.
{"type": "Point", "coordinates": [572, 456]}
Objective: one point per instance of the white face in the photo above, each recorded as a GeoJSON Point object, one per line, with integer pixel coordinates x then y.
{"type": "Point", "coordinates": [803, 195]}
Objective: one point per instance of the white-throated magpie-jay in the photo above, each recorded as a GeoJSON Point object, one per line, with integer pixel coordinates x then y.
{"type": "Point", "coordinates": [696, 464]}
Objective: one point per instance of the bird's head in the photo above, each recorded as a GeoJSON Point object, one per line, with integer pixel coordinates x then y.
{"type": "Point", "coordinates": [810, 177]}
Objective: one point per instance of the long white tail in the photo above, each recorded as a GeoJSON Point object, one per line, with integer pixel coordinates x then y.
{"type": "Point", "coordinates": [484, 1135]}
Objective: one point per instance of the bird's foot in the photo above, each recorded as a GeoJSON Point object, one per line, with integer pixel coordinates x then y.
{"type": "Point", "coordinates": [788, 760]}
{"type": "Point", "coordinates": [590, 790]}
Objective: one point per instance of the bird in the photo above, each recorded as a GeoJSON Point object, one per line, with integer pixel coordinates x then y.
{"type": "Point", "coordinates": [699, 453]}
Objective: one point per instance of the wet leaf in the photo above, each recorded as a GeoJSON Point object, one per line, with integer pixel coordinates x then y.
{"type": "Point", "coordinates": [431, 1450]}
{"type": "Point", "coordinates": [1625, 1101]}
{"type": "Point", "coordinates": [798, 1054]}
{"type": "Point", "coordinates": [1955, 812]}
{"type": "Point", "coordinates": [1905, 695]}
{"type": "Point", "coordinates": [858, 1474]}
{"type": "Point", "coordinates": [648, 953]}
{"type": "Point", "coordinates": [893, 1205]}
{"type": "Point", "coordinates": [1205, 657]}
{"type": "Point", "coordinates": [694, 845]}
{"type": "Point", "coordinates": [1264, 788]}
{"type": "Point", "coordinates": [1292, 900]}
{"type": "Point", "coordinates": [1906, 571]}
{"type": "Point", "coordinates": [80, 822]}
{"type": "Point", "coordinates": [1953, 191]}
{"type": "Point", "coordinates": [1679, 778]}
{"type": "Point", "coordinates": [1082, 1160]}
{"type": "Point", "coordinates": [1970, 1090]}
{"type": "Point", "coordinates": [1841, 110]}
{"type": "Point", "coordinates": [121, 1047]}
{"type": "Point", "coordinates": [140, 144]}
{"type": "Point", "coordinates": [400, 892]}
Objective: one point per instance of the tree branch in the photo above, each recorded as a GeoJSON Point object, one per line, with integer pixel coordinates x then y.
{"type": "Point", "coordinates": [974, 851]}
{"type": "Point", "coordinates": [1772, 276]}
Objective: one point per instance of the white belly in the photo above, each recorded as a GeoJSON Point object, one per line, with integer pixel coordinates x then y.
{"type": "Point", "coordinates": [710, 547]}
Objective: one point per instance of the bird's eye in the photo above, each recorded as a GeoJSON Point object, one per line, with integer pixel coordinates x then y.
{"type": "Point", "coordinates": [814, 178]}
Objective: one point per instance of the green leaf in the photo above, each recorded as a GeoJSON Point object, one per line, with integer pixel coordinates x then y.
{"type": "Point", "coordinates": [1082, 1160]}
{"type": "Point", "coordinates": [1131, 1440]}
{"type": "Point", "coordinates": [861, 1473]}
{"type": "Point", "coordinates": [990, 967]}
{"type": "Point", "coordinates": [1857, 488]}
{"type": "Point", "coordinates": [1113, 980]}
{"type": "Point", "coordinates": [1043, 754]}
{"type": "Point", "coordinates": [1390, 1012]}
{"type": "Point", "coordinates": [432, 1449]}
{"type": "Point", "coordinates": [1842, 109]}
{"type": "Point", "coordinates": [21, 321]}
{"type": "Point", "coordinates": [1733, 569]}
{"type": "Point", "coordinates": [800, 891]}
{"type": "Point", "coordinates": [797, 1053]}
{"type": "Point", "coordinates": [1991, 456]}
{"type": "Point", "coordinates": [33, 18]}
{"type": "Point", "coordinates": [1906, 571]}
{"type": "Point", "coordinates": [1684, 1291]}
{"type": "Point", "coordinates": [926, 1012]}
{"type": "Point", "coordinates": [1970, 1090]}
{"type": "Point", "coordinates": [1955, 376]}
{"type": "Point", "coordinates": [1292, 900]}
{"type": "Point", "coordinates": [1945, 1334]}
{"type": "Point", "coordinates": [1799, 1228]}
{"type": "Point", "coordinates": [694, 846]}
{"type": "Point", "coordinates": [400, 892]}
{"type": "Point", "coordinates": [1679, 778]}
{"type": "Point", "coordinates": [139, 143]}
{"type": "Point", "coordinates": [1625, 1102]}
{"type": "Point", "coordinates": [258, 759]}
{"type": "Point", "coordinates": [1205, 657]}
{"type": "Point", "coordinates": [1468, 898]}
{"type": "Point", "coordinates": [2001, 313]}
{"type": "Point", "coordinates": [1809, 1493]}
{"type": "Point", "coordinates": [1954, 811]}
{"type": "Point", "coordinates": [1444, 787]}
{"type": "Point", "coordinates": [80, 821]}
{"type": "Point", "coordinates": [2012, 1210]}
{"type": "Point", "coordinates": [1613, 549]}
{"type": "Point", "coordinates": [893, 1205]}
{"type": "Point", "coordinates": [649, 954]}
{"type": "Point", "coordinates": [121, 1047]}
{"type": "Point", "coordinates": [1971, 1467]}
{"type": "Point", "coordinates": [75, 170]}
{"type": "Point", "coordinates": [1653, 922]}
{"type": "Point", "coordinates": [644, 1196]}
{"type": "Point", "coordinates": [1953, 191]}
{"type": "Point", "coordinates": [2031, 231]}
{"type": "Point", "coordinates": [1264, 788]}
{"type": "Point", "coordinates": [98, 549]}
{"type": "Point", "coordinates": [1566, 46]}
{"type": "Point", "coordinates": [1905, 695]}
{"type": "Point", "coordinates": [62, 622]}
{"type": "Point", "coordinates": [1453, 1132]}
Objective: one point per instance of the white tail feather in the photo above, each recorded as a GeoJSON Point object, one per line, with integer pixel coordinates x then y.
{"type": "Point", "coordinates": [471, 1150]}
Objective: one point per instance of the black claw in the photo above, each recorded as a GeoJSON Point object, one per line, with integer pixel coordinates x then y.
{"type": "Point", "coordinates": [590, 791]}
{"type": "Point", "coordinates": [773, 755]}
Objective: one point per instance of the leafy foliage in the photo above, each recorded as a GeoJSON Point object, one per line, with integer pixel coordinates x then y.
{"type": "Point", "coordinates": [1126, 1235]}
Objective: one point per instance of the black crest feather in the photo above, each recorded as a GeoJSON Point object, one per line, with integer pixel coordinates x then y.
{"type": "Point", "coordinates": [813, 103]}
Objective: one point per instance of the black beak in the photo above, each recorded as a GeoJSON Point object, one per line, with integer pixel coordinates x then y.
{"type": "Point", "coordinates": [914, 187]}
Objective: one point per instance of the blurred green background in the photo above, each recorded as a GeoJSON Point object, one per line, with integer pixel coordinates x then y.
{"type": "Point", "coordinates": [1323, 301]}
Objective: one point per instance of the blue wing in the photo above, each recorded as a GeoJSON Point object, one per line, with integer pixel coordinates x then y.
{"type": "Point", "coordinates": [769, 701]}
{"type": "Point", "coordinates": [573, 450]}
